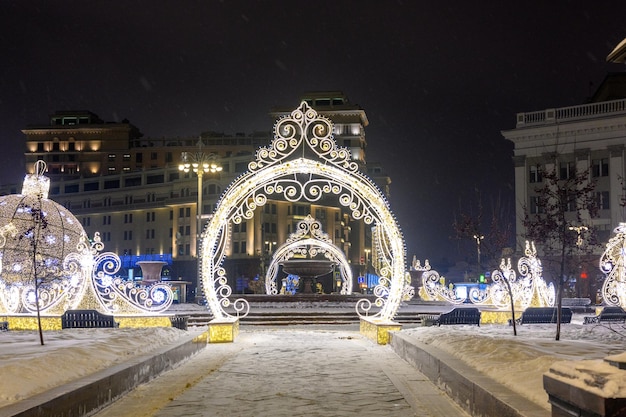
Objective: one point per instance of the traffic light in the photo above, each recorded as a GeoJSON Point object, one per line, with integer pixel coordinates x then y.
{"type": "Point", "coordinates": [481, 278]}
{"type": "Point", "coordinates": [584, 275]}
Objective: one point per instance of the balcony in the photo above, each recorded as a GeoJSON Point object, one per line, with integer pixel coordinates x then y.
{"type": "Point", "coordinates": [573, 113]}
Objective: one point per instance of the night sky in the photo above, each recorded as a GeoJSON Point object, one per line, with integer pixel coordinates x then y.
{"type": "Point", "coordinates": [438, 80]}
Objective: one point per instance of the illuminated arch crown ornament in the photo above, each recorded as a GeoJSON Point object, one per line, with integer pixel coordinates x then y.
{"type": "Point", "coordinates": [37, 234]}
{"type": "Point", "coordinates": [613, 266]}
{"type": "Point", "coordinates": [308, 241]}
{"type": "Point", "coordinates": [302, 163]}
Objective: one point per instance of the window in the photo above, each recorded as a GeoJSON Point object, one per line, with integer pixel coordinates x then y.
{"type": "Point", "coordinates": [149, 233]}
{"type": "Point", "coordinates": [126, 157]}
{"type": "Point", "coordinates": [188, 212]}
{"type": "Point", "coordinates": [273, 208]}
{"type": "Point", "coordinates": [536, 206]}
{"type": "Point", "coordinates": [153, 156]}
{"type": "Point", "coordinates": [187, 230]}
{"type": "Point", "coordinates": [139, 157]}
{"type": "Point", "coordinates": [86, 221]}
{"type": "Point", "coordinates": [602, 200]}
{"type": "Point", "coordinates": [106, 220]}
{"type": "Point", "coordinates": [111, 157]}
{"type": "Point", "coordinates": [235, 247]}
{"type": "Point", "coordinates": [181, 212]}
{"type": "Point", "coordinates": [244, 226]}
{"type": "Point", "coordinates": [128, 235]}
{"type": "Point", "coordinates": [567, 170]}
{"type": "Point", "coordinates": [150, 216]}
{"type": "Point", "coordinates": [243, 247]}
{"type": "Point", "coordinates": [572, 203]}
{"type": "Point", "coordinates": [534, 174]}
{"type": "Point", "coordinates": [600, 167]}
{"type": "Point", "coordinates": [128, 218]}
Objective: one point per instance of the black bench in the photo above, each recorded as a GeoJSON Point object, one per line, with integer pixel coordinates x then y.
{"type": "Point", "coordinates": [608, 314]}
{"type": "Point", "coordinates": [538, 315]}
{"type": "Point", "coordinates": [84, 319]}
{"type": "Point", "coordinates": [4, 326]}
{"type": "Point", "coordinates": [461, 315]}
{"type": "Point", "coordinates": [179, 322]}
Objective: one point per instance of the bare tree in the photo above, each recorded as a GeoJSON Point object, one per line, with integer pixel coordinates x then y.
{"type": "Point", "coordinates": [559, 222]}
{"type": "Point", "coordinates": [34, 235]}
{"type": "Point", "coordinates": [489, 232]}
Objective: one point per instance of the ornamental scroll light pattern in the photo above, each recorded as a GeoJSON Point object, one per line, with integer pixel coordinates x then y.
{"type": "Point", "coordinates": [308, 241]}
{"type": "Point", "coordinates": [613, 266]}
{"type": "Point", "coordinates": [68, 265]}
{"type": "Point", "coordinates": [528, 287]}
{"type": "Point", "coordinates": [302, 163]}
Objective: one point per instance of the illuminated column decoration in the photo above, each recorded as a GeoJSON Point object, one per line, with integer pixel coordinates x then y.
{"type": "Point", "coordinates": [613, 265]}
{"type": "Point", "coordinates": [73, 274]}
{"type": "Point", "coordinates": [302, 163]}
{"type": "Point", "coordinates": [309, 241]}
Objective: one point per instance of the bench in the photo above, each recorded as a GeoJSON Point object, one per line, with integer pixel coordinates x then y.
{"type": "Point", "coordinates": [608, 314]}
{"type": "Point", "coordinates": [538, 315]}
{"type": "Point", "coordinates": [84, 319]}
{"type": "Point", "coordinates": [179, 322]}
{"type": "Point", "coordinates": [461, 315]}
{"type": "Point", "coordinates": [4, 326]}
{"type": "Point", "coordinates": [578, 305]}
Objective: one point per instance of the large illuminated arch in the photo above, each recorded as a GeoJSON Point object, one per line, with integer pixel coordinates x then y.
{"type": "Point", "coordinates": [309, 241]}
{"type": "Point", "coordinates": [303, 163]}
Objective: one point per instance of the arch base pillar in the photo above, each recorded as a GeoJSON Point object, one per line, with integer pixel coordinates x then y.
{"type": "Point", "coordinates": [377, 330]}
{"type": "Point", "coordinates": [223, 330]}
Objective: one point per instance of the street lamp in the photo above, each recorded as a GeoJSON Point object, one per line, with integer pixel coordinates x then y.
{"type": "Point", "coordinates": [579, 230]}
{"type": "Point", "coordinates": [367, 257]}
{"type": "Point", "coordinates": [200, 163]}
{"type": "Point", "coordinates": [478, 238]}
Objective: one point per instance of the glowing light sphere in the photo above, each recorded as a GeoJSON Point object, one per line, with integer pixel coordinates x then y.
{"type": "Point", "coordinates": [35, 232]}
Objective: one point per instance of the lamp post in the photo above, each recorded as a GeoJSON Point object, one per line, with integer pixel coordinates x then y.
{"type": "Point", "coordinates": [478, 238]}
{"type": "Point", "coordinates": [200, 163]}
{"type": "Point", "coordinates": [367, 258]}
{"type": "Point", "coordinates": [579, 230]}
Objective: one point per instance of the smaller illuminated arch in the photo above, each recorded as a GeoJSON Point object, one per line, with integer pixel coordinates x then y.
{"type": "Point", "coordinates": [309, 240]}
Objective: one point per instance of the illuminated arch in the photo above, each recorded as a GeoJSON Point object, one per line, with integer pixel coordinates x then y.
{"type": "Point", "coordinates": [303, 162]}
{"type": "Point", "coordinates": [309, 240]}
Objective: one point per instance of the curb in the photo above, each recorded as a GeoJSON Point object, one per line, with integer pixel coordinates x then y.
{"type": "Point", "coordinates": [88, 394]}
{"type": "Point", "coordinates": [477, 394]}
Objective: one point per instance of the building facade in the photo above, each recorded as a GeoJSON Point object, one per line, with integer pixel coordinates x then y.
{"type": "Point", "coordinates": [131, 190]}
{"type": "Point", "coordinates": [587, 137]}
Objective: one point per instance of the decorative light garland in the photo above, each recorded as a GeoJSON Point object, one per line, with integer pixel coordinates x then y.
{"type": "Point", "coordinates": [529, 289]}
{"type": "Point", "coordinates": [613, 265]}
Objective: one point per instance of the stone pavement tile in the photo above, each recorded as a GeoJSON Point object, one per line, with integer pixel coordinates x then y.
{"type": "Point", "coordinates": [298, 373]}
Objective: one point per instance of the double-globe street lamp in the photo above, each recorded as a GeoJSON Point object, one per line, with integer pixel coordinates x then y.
{"type": "Point", "coordinates": [200, 163]}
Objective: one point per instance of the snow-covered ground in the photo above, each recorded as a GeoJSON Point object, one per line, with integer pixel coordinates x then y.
{"type": "Point", "coordinates": [28, 368]}
{"type": "Point", "coordinates": [515, 361]}
{"type": "Point", "coordinates": [519, 362]}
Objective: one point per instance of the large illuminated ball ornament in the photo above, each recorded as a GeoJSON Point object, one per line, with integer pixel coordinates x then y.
{"type": "Point", "coordinates": [37, 234]}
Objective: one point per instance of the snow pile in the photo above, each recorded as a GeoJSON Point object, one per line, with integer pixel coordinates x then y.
{"type": "Point", "coordinates": [519, 362]}
{"type": "Point", "coordinates": [27, 368]}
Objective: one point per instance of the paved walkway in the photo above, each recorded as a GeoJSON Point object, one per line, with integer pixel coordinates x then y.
{"type": "Point", "coordinates": [290, 372]}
